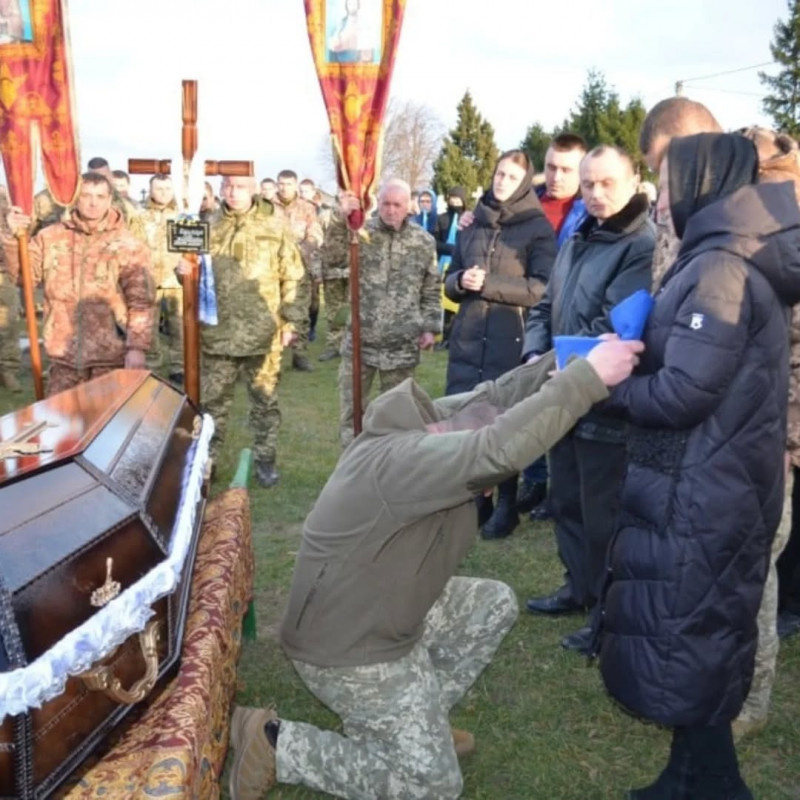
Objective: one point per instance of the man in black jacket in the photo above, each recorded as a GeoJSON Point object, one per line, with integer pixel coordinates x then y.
{"type": "Point", "coordinates": [608, 259]}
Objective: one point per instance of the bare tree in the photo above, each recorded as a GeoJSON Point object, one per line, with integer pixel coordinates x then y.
{"type": "Point", "coordinates": [412, 139]}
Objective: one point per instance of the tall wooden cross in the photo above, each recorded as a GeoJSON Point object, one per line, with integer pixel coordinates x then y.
{"type": "Point", "coordinates": [143, 166]}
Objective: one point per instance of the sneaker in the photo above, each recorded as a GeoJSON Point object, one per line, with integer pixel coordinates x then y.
{"type": "Point", "coordinates": [788, 624]}
{"type": "Point", "coordinates": [542, 512]}
{"type": "Point", "coordinates": [253, 770]}
{"type": "Point", "coordinates": [531, 496]}
{"type": "Point", "coordinates": [463, 741]}
{"type": "Point", "coordinates": [301, 363]}
{"type": "Point", "coordinates": [266, 474]}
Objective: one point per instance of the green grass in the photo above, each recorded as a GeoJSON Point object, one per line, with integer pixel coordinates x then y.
{"type": "Point", "coordinates": [544, 727]}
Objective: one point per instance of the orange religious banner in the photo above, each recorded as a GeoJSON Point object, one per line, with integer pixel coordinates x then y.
{"type": "Point", "coordinates": [36, 101]}
{"type": "Point", "coordinates": [354, 44]}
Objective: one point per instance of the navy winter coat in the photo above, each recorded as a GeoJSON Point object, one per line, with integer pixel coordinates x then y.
{"type": "Point", "coordinates": [703, 492]}
{"type": "Point", "coordinates": [517, 254]}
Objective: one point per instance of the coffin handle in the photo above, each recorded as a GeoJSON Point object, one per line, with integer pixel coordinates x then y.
{"type": "Point", "coordinates": [102, 679]}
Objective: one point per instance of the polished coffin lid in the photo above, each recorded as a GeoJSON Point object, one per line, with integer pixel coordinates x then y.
{"type": "Point", "coordinates": [115, 463]}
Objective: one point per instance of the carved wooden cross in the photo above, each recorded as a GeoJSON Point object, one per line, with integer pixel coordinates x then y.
{"type": "Point", "coordinates": [143, 166]}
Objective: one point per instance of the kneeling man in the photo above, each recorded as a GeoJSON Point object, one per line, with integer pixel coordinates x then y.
{"type": "Point", "coordinates": [378, 626]}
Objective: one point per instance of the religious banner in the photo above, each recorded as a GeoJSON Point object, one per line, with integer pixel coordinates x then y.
{"type": "Point", "coordinates": [354, 44]}
{"type": "Point", "coordinates": [36, 100]}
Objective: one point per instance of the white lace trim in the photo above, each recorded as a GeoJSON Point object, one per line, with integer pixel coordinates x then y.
{"type": "Point", "coordinates": [45, 678]}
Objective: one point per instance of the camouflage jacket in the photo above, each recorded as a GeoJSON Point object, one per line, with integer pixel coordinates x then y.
{"type": "Point", "coordinates": [335, 251]}
{"type": "Point", "coordinates": [257, 274]}
{"type": "Point", "coordinates": [400, 292]}
{"type": "Point", "coordinates": [98, 291]}
{"type": "Point", "coordinates": [150, 225]}
{"type": "Point", "coordinates": [301, 216]}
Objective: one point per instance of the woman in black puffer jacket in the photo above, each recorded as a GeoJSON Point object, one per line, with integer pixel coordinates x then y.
{"type": "Point", "coordinates": [500, 268]}
{"type": "Point", "coordinates": [704, 487]}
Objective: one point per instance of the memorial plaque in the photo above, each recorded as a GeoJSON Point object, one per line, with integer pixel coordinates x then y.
{"type": "Point", "coordinates": [187, 236]}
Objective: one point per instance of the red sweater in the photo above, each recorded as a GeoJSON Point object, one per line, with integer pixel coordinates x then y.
{"type": "Point", "coordinates": [556, 210]}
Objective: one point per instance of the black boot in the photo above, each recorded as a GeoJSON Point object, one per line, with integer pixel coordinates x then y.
{"type": "Point", "coordinates": [505, 517]}
{"type": "Point", "coordinates": [675, 782]}
{"type": "Point", "coordinates": [715, 766]}
{"type": "Point", "coordinates": [485, 506]}
{"type": "Point", "coordinates": [313, 315]}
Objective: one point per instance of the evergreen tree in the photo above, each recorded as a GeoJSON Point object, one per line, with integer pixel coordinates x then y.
{"type": "Point", "coordinates": [783, 102]}
{"type": "Point", "coordinates": [468, 153]}
{"type": "Point", "coordinates": [600, 118]}
{"type": "Point", "coordinates": [535, 145]}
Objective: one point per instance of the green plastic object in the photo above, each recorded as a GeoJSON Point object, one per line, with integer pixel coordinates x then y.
{"type": "Point", "coordinates": [240, 481]}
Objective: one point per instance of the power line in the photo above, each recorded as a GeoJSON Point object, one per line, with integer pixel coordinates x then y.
{"type": "Point", "coordinates": [724, 91]}
{"type": "Point", "coordinates": [727, 72]}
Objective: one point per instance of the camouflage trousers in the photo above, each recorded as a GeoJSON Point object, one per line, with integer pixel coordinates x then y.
{"type": "Point", "coordinates": [10, 358]}
{"type": "Point", "coordinates": [397, 741]}
{"type": "Point", "coordinates": [305, 289]}
{"type": "Point", "coordinates": [337, 306]}
{"type": "Point", "coordinates": [167, 347]}
{"type": "Point", "coordinates": [756, 706]}
{"type": "Point", "coordinates": [61, 377]}
{"type": "Point", "coordinates": [388, 378]}
{"type": "Point", "coordinates": [262, 374]}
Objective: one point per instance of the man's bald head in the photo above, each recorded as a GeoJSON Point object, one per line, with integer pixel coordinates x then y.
{"type": "Point", "coordinates": [675, 116]}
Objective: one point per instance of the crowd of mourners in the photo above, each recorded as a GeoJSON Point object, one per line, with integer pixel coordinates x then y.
{"type": "Point", "coordinates": [666, 462]}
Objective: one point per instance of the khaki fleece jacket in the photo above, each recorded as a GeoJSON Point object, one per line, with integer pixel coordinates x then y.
{"type": "Point", "coordinates": [397, 515]}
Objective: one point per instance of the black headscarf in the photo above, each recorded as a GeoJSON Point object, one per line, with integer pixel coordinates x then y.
{"type": "Point", "coordinates": [509, 208]}
{"type": "Point", "coordinates": [705, 167]}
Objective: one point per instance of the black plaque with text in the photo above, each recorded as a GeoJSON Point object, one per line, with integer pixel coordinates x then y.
{"type": "Point", "coordinates": [187, 236]}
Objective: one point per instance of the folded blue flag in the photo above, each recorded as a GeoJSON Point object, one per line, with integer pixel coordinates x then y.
{"type": "Point", "coordinates": [628, 319]}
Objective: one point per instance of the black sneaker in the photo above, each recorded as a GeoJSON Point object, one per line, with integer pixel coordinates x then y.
{"type": "Point", "coordinates": [532, 495]}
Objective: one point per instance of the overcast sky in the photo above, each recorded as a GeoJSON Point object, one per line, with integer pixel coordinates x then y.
{"type": "Point", "coordinates": [523, 61]}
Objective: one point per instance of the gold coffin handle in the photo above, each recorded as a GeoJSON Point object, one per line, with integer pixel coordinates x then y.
{"type": "Point", "coordinates": [102, 679]}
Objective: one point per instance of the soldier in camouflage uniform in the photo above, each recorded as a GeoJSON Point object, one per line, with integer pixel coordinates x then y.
{"type": "Point", "coordinates": [150, 225]}
{"type": "Point", "coordinates": [258, 274]}
{"type": "Point", "coordinates": [377, 626]}
{"type": "Point", "coordinates": [98, 290]}
{"type": "Point", "coordinates": [335, 258]}
{"type": "Point", "coordinates": [399, 288]}
{"type": "Point", "coordinates": [778, 161]}
{"type": "Point", "coordinates": [301, 215]}
{"type": "Point", "coordinates": [9, 309]}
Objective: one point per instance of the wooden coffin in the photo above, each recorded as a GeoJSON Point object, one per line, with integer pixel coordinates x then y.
{"type": "Point", "coordinates": [97, 485]}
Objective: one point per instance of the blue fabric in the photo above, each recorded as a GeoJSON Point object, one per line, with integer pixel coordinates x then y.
{"type": "Point", "coordinates": [206, 295]}
{"type": "Point", "coordinates": [444, 261]}
{"type": "Point", "coordinates": [577, 214]}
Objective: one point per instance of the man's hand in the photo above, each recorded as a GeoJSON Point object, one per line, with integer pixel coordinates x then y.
{"type": "Point", "coordinates": [17, 219]}
{"type": "Point", "coordinates": [348, 202]}
{"type": "Point", "coordinates": [134, 359]}
{"type": "Point", "coordinates": [614, 360]}
{"type": "Point", "coordinates": [426, 340]}
{"type": "Point", "coordinates": [473, 278]}
{"type": "Point", "coordinates": [184, 267]}
{"type": "Point", "coordinates": [288, 338]}
{"type": "Point", "coordinates": [465, 220]}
